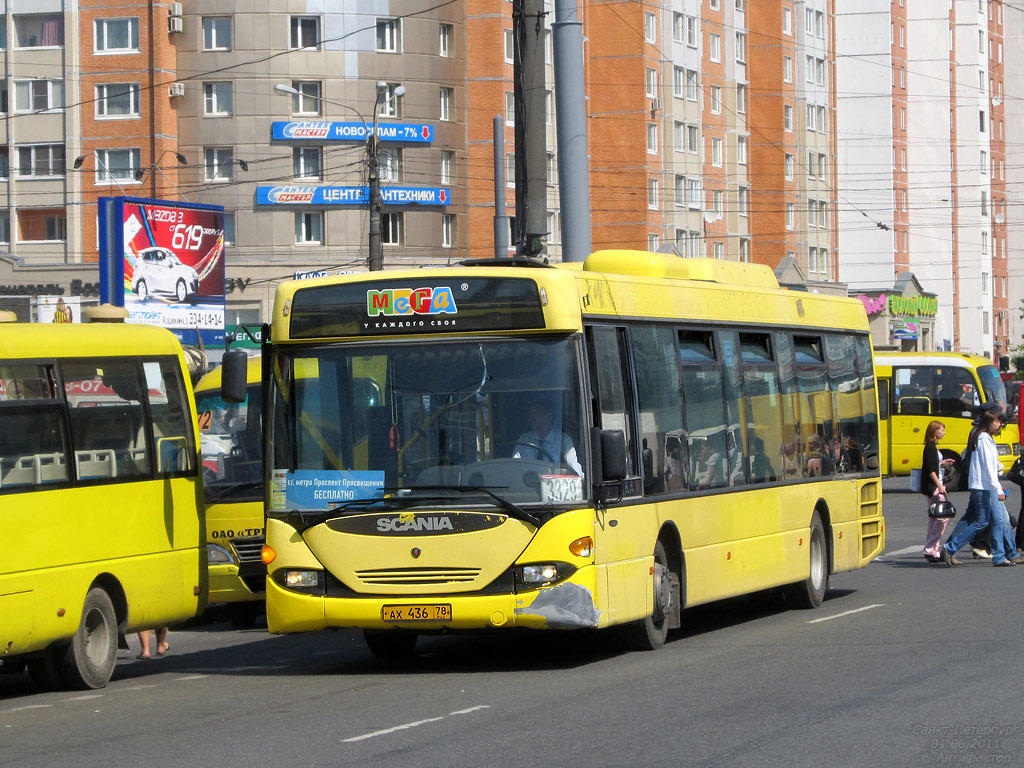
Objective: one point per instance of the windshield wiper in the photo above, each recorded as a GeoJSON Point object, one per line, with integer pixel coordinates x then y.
{"type": "Point", "coordinates": [219, 491]}
{"type": "Point", "coordinates": [511, 507]}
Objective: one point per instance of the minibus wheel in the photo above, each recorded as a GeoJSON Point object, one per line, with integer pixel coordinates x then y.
{"type": "Point", "coordinates": [810, 592]}
{"type": "Point", "coordinates": [89, 660]}
{"type": "Point", "coordinates": [953, 476]}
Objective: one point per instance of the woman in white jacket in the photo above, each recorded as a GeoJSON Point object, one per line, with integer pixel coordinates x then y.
{"type": "Point", "coordinates": [985, 487]}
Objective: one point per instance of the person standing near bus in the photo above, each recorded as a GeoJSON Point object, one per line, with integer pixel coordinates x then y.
{"type": "Point", "coordinates": [985, 488]}
{"type": "Point", "coordinates": [162, 646]}
{"type": "Point", "coordinates": [932, 486]}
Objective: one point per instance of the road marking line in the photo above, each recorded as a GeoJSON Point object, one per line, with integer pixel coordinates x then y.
{"type": "Point", "coordinates": [847, 613]}
{"type": "Point", "coordinates": [138, 687]}
{"type": "Point", "coordinates": [193, 677]}
{"type": "Point", "coordinates": [904, 551]}
{"type": "Point", "coordinates": [30, 706]}
{"type": "Point", "coordinates": [86, 697]}
{"type": "Point", "coordinates": [415, 724]}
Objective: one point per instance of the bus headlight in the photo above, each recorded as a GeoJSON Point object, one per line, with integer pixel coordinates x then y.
{"type": "Point", "coordinates": [541, 574]}
{"type": "Point", "coordinates": [217, 555]}
{"type": "Point", "coordinates": [300, 579]}
{"type": "Point", "coordinates": [1003, 449]}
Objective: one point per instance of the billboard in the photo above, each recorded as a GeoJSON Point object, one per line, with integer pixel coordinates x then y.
{"type": "Point", "coordinates": [311, 195]}
{"type": "Point", "coordinates": [321, 131]}
{"type": "Point", "coordinates": [163, 261]}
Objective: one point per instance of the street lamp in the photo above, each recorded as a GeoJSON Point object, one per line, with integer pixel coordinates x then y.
{"type": "Point", "coordinates": [376, 260]}
{"type": "Point", "coordinates": [81, 159]}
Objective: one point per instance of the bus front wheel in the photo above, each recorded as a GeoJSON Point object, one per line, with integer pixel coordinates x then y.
{"type": "Point", "coordinates": [89, 660]}
{"type": "Point", "coordinates": [953, 477]}
{"type": "Point", "coordinates": [810, 592]}
{"type": "Point", "coordinates": [649, 634]}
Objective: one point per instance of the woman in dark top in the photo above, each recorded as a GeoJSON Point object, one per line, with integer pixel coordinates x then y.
{"type": "Point", "coordinates": [933, 487]}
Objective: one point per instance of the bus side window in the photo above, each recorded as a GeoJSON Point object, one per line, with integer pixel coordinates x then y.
{"type": "Point", "coordinates": [172, 428]}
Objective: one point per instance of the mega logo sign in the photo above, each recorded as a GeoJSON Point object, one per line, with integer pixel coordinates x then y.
{"type": "Point", "coordinates": [164, 262]}
{"type": "Point", "coordinates": [411, 301]}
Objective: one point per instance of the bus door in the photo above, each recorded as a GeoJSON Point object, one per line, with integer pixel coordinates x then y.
{"type": "Point", "coordinates": [884, 449]}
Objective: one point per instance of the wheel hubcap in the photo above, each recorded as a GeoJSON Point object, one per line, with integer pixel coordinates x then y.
{"type": "Point", "coordinates": [97, 636]}
{"type": "Point", "coordinates": [662, 592]}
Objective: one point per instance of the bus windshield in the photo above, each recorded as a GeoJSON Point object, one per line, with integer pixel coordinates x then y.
{"type": "Point", "coordinates": [451, 422]}
{"type": "Point", "coordinates": [992, 385]}
{"type": "Point", "coordinates": [230, 439]}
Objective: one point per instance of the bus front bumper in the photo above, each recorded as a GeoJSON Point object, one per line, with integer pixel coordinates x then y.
{"type": "Point", "coordinates": [569, 604]}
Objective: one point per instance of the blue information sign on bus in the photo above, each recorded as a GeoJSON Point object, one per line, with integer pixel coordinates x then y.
{"type": "Point", "coordinates": [321, 196]}
{"type": "Point", "coordinates": [321, 131]}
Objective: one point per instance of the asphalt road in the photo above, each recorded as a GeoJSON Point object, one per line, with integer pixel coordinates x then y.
{"type": "Point", "coordinates": [906, 663]}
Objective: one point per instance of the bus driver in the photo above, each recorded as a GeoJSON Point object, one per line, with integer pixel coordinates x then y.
{"type": "Point", "coordinates": [545, 443]}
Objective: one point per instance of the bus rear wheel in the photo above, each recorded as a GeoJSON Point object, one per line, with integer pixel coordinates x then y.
{"type": "Point", "coordinates": [810, 592]}
{"type": "Point", "coordinates": [88, 661]}
{"type": "Point", "coordinates": [391, 644]}
{"type": "Point", "coordinates": [649, 634]}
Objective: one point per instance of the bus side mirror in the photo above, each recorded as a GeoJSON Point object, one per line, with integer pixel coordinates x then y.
{"type": "Point", "coordinates": [613, 455]}
{"type": "Point", "coordinates": [233, 376]}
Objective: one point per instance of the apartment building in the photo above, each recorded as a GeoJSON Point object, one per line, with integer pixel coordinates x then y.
{"type": "Point", "coordinates": [922, 174]}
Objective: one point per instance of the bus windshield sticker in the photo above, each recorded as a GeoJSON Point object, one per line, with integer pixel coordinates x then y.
{"type": "Point", "coordinates": [306, 489]}
{"type": "Point", "coordinates": [559, 488]}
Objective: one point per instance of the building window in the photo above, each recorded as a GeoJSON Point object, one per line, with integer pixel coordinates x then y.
{"type": "Point", "coordinates": [218, 99]}
{"type": "Point", "coordinates": [741, 47]}
{"type": "Point", "coordinates": [510, 170]}
{"type": "Point", "coordinates": [307, 100]}
{"type": "Point", "coordinates": [787, 117]}
{"type": "Point", "coordinates": [692, 139]}
{"type": "Point", "coordinates": [117, 165]}
{"type": "Point", "coordinates": [652, 138]}
{"type": "Point", "coordinates": [447, 103]}
{"type": "Point", "coordinates": [307, 162]}
{"type": "Point", "coordinates": [38, 30]}
{"type": "Point", "coordinates": [680, 191]}
{"type": "Point", "coordinates": [41, 160]}
{"type": "Point", "coordinates": [229, 228]}
{"type": "Point", "coordinates": [652, 193]}
{"type": "Point", "coordinates": [650, 28]}
{"type": "Point", "coordinates": [651, 83]}
{"type": "Point", "coordinates": [305, 32]}
{"type": "Point", "coordinates": [653, 241]}
{"type": "Point", "coordinates": [392, 228]}
{"type": "Point", "coordinates": [691, 85]}
{"type": "Point", "coordinates": [787, 69]}
{"type": "Point", "coordinates": [115, 100]}
{"type": "Point", "coordinates": [5, 226]}
{"type": "Point", "coordinates": [744, 250]}
{"type": "Point", "coordinates": [38, 95]}
{"type": "Point", "coordinates": [790, 215]}
{"type": "Point", "coordinates": [394, 104]}
{"type": "Point", "coordinates": [216, 33]}
{"type": "Point", "coordinates": [391, 164]}
{"type": "Point", "coordinates": [5, 163]}
{"type": "Point", "coordinates": [716, 99]}
{"type": "Point", "coordinates": [309, 228]}
{"type": "Point", "coordinates": [691, 31]}
{"type": "Point", "coordinates": [447, 230]}
{"type": "Point", "coordinates": [678, 82]}
{"type": "Point", "coordinates": [715, 47]}
{"type": "Point", "coordinates": [117, 35]}
{"type": "Point", "coordinates": [717, 202]}
{"type": "Point", "coordinates": [219, 163]}
{"type": "Point", "coordinates": [787, 21]}
{"type": "Point", "coordinates": [719, 250]}
{"type": "Point", "coordinates": [695, 193]}
{"type": "Point", "coordinates": [552, 170]}
{"type": "Point", "coordinates": [789, 166]}
{"type": "Point", "coordinates": [741, 98]}
{"type": "Point", "coordinates": [42, 225]}
{"type": "Point", "coordinates": [389, 35]}
{"type": "Point", "coordinates": [741, 150]}
{"type": "Point", "coordinates": [510, 108]}
{"type": "Point", "coordinates": [447, 166]}
{"type": "Point", "coordinates": [716, 151]}
{"type": "Point", "coordinates": [510, 47]}
{"type": "Point", "coordinates": [445, 40]}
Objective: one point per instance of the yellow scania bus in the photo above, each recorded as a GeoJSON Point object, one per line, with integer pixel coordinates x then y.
{"type": "Point", "coordinates": [512, 444]}
{"type": "Point", "coordinates": [230, 437]}
{"type": "Point", "coordinates": [100, 498]}
{"type": "Point", "coordinates": [915, 388]}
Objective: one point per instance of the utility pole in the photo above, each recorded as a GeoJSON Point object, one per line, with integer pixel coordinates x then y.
{"type": "Point", "coordinates": [376, 261]}
{"type": "Point", "coordinates": [531, 149]}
